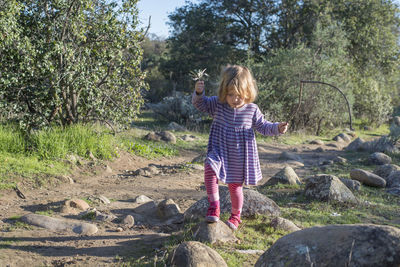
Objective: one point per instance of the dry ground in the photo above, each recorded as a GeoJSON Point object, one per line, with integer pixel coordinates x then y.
{"type": "Point", "coordinates": [34, 246]}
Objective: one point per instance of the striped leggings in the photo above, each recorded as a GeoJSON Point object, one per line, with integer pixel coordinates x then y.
{"type": "Point", "coordinates": [235, 190]}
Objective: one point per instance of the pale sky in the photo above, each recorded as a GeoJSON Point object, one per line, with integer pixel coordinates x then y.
{"type": "Point", "coordinates": [159, 11]}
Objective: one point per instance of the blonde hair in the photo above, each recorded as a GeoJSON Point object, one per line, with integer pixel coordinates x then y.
{"type": "Point", "coordinates": [240, 80]}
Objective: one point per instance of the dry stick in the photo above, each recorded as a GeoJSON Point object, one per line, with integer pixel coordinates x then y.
{"type": "Point", "coordinates": [294, 112]}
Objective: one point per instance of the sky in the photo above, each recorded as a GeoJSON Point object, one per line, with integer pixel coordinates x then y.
{"type": "Point", "coordinates": [159, 11]}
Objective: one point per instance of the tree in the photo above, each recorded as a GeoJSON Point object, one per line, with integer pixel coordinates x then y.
{"type": "Point", "coordinates": [199, 40]}
{"type": "Point", "coordinates": [73, 61]}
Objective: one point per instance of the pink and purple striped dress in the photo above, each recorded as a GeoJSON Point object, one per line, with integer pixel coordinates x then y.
{"type": "Point", "coordinates": [232, 148]}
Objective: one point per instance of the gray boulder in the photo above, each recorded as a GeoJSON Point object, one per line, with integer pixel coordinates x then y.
{"type": "Point", "coordinates": [289, 156]}
{"type": "Point", "coordinates": [56, 224]}
{"type": "Point", "coordinates": [385, 170]}
{"type": "Point", "coordinates": [167, 209]}
{"type": "Point", "coordinates": [285, 176]}
{"type": "Point", "coordinates": [356, 145]}
{"type": "Point", "coordinates": [367, 178]}
{"type": "Point", "coordinates": [394, 191]}
{"type": "Point", "coordinates": [195, 254]}
{"type": "Point", "coordinates": [345, 137]}
{"type": "Point", "coordinates": [279, 223]}
{"type": "Point", "coordinates": [212, 233]}
{"type": "Point", "coordinates": [393, 179]}
{"type": "Point", "coordinates": [326, 187]}
{"type": "Point", "coordinates": [353, 185]}
{"type": "Point", "coordinates": [336, 245]}
{"type": "Point", "coordinates": [254, 203]}
{"type": "Point", "coordinates": [161, 136]}
{"type": "Point", "coordinates": [379, 158]}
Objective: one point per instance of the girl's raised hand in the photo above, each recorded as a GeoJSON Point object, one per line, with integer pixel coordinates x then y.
{"type": "Point", "coordinates": [283, 127]}
{"type": "Point", "coordinates": [199, 87]}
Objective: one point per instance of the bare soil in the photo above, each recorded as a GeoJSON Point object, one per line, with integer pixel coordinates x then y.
{"type": "Point", "coordinates": [34, 246]}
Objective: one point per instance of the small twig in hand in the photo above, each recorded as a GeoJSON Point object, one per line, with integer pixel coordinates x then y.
{"type": "Point", "coordinates": [198, 75]}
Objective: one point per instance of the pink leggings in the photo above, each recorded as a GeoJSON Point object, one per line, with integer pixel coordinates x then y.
{"type": "Point", "coordinates": [235, 190]}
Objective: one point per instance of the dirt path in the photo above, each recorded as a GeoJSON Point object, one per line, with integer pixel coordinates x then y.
{"type": "Point", "coordinates": [36, 246]}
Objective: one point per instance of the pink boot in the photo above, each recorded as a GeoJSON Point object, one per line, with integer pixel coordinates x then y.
{"type": "Point", "coordinates": [213, 212]}
{"type": "Point", "coordinates": [234, 221]}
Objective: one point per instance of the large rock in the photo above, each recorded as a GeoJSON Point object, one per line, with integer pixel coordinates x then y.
{"type": "Point", "coordinates": [195, 254]}
{"type": "Point", "coordinates": [367, 178]}
{"type": "Point", "coordinates": [212, 233]}
{"type": "Point", "coordinates": [353, 185]}
{"type": "Point", "coordinates": [161, 136]}
{"type": "Point", "coordinates": [55, 224]}
{"type": "Point", "coordinates": [336, 245]}
{"type": "Point", "coordinates": [279, 223]}
{"type": "Point", "coordinates": [167, 209]}
{"type": "Point", "coordinates": [356, 145]}
{"type": "Point", "coordinates": [285, 176]}
{"type": "Point", "coordinates": [393, 179]}
{"type": "Point", "coordinates": [254, 203]}
{"type": "Point", "coordinates": [379, 158]}
{"type": "Point", "coordinates": [385, 170]}
{"type": "Point", "coordinates": [326, 187]}
{"type": "Point", "coordinates": [290, 156]}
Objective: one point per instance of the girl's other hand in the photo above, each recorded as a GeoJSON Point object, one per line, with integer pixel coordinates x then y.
{"type": "Point", "coordinates": [199, 87]}
{"type": "Point", "coordinates": [283, 127]}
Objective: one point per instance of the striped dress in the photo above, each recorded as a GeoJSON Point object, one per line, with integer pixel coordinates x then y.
{"type": "Point", "coordinates": [232, 148]}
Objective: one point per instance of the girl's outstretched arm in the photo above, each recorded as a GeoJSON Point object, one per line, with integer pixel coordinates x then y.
{"type": "Point", "coordinates": [201, 102]}
{"type": "Point", "coordinates": [263, 126]}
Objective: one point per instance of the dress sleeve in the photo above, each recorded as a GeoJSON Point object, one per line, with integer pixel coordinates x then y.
{"type": "Point", "coordinates": [204, 103]}
{"type": "Point", "coordinates": [263, 126]}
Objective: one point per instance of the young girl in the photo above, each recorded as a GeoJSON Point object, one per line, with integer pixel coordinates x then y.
{"type": "Point", "coordinates": [232, 155]}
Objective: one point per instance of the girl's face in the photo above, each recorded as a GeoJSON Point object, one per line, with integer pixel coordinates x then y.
{"type": "Point", "coordinates": [234, 100]}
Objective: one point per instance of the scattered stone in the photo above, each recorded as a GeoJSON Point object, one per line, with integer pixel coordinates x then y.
{"type": "Point", "coordinates": [285, 176]}
{"type": "Point", "coordinates": [196, 167]}
{"type": "Point", "coordinates": [336, 245]}
{"type": "Point", "coordinates": [254, 203]}
{"type": "Point", "coordinates": [119, 229]}
{"type": "Point", "coordinates": [128, 221]}
{"type": "Point", "coordinates": [165, 136]}
{"type": "Point", "coordinates": [147, 171]}
{"type": "Point", "coordinates": [73, 206]}
{"type": "Point", "coordinates": [317, 142]}
{"type": "Point", "coordinates": [148, 208]}
{"type": "Point", "coordinates": [55, 224]}
{"type": "Point", "coordinates": [103, 199]}
{"type": "Point", "coordinates": [67, 179]}
{"type": "Point", "coordinates": [290, 156]}
{"type": "Point", "coordinates": [379, 158]}
{"type": "Point", "coordinates": [356, 145]}
{"type": "Point", "coordinates": [108, 169]}
{"type": "Point", "coordinates": [393, 179]}
{"type": "Point", "coordinates": [340, 160]}
{"type": "Point", "coordinates": [367, 178]}
{"type": "Point", "coordinates": [326, 187]}
{"type": "Point", "coordinates": [319, 149]}
{"type": "Point", "coordinates": [339, 139]}
{"type": "Point", "coordinates": [188, 138]}
{"type": "Point", "coordinates": [195, 254]}
{"type": "Point", "coordinates": [217, 232]}
{"type": "Point", "coordinates": [385, 170]}
{"type": "Point", "coordinates": [279, 223]}
{"type": "Point", "coordinates": [152, 136]}
{"type": "Point", "coordinates": [351, 133]}
{"type": "Point", "coordinates": [142, 199]}
{"type": "Point", "coordinates": [103, 217]}
{"type": "Point", "coordinates": [338, 145]}
{"type": "Point", "coordinates": [173, 126]}
{"type": "Point", "coordinates": [167, 209]}
{"type": "Point", "coordinates": [345, 137]}
{"type": "Point", "coordinates": [353, 185]}
{"type": "Point", "coordinates": [71, 158]}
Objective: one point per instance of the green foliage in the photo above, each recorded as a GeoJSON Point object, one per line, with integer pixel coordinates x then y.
{"type": "Point", "coordinates": [280, 74]}
{"type": "Point", "coordinates": [70, 61]}
{"type": "Point", "coordinates": [150, 149]}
